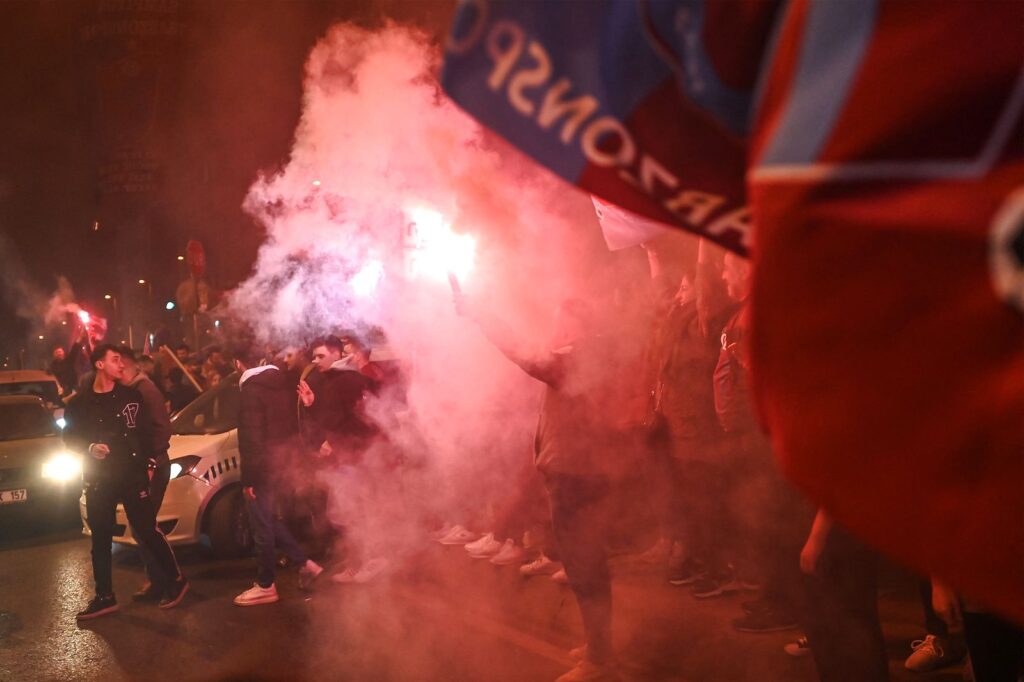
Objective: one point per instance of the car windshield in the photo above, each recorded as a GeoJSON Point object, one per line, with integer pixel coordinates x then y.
{"type": "Point", "coordinates": [47, 390]}
{"type": "Point", "coordinates": [214, 411]}
{"type": "Point", "coordinates": [25, 420]}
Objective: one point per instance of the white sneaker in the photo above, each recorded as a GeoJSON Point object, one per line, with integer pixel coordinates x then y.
{"type": "Point", "coordinates": [257, 595]}
{"type": "Point", "coordinates": [510, 553]}
{"type": "Point", "coordinates": [477, 545]}
{"type": "Point", "coordinates": [458, 536]}
{"type": "Point", "coordinates": [540, 566]}
{"type": "Point", "coordinates": [487, 549]}
{"type": "Point", "coordinates": [309, 572]}
{"type": "Point", "coordinates": [798, 648]}
{"type": "Point", "coordinates": [442, 531]}
{"type": "Point", "coordinates": [370, 570]}
{"type": "Point", "coordinates": [932, 653]}
{"type": "Point", "coordinates": [586, 671]}
{"type": "Point", "coordinates": [559, 576]}
{"type": "Point", "coordinates": [345, 577]}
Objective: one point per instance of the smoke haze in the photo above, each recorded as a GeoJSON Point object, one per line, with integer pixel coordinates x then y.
{"type": "Point", "coordinates": [388, 188]}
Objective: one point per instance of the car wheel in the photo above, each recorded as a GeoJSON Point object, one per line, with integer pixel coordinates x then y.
{"type": "Point", "coordinates": [230, 535]}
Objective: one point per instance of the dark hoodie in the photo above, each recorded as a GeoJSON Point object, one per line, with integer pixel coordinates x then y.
{"type": "Point", "coordinates": [119, 419]}
{"type": "Point", "coordinates": [334, 415]}
{"type": "Point", "coordinates": [266, 422]}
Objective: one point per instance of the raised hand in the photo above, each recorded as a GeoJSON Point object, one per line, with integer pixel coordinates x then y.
{"type": "Point", "coordinates": [305, 393]}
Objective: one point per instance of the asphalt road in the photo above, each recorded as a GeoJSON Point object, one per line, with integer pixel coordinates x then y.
{"type": "Point", "coordinates": [442, 616]}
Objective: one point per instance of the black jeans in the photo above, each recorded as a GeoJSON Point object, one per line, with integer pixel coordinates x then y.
{"type": "Point", "coordinates": [840, 613]}
{"type": "Point", "coordinates": [997, 647]}
{"type": "Point", "coordinates": [579, 517]}
{"type": "Point", "coordinates": [157, 487]}
{"type": "Point", "coordinates": [270, 534]}
{"type": "Point", "coordinates": [101, 500]}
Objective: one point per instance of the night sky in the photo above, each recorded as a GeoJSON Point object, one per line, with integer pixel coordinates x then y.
{"type": "Point", "coordinates": [205, 96]}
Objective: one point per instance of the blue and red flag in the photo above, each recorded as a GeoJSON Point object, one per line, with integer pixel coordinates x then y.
{"type": "Point", "coordinates": [868, 156]}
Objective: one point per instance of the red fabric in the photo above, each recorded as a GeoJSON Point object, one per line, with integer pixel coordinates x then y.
{"type": "Point", "coordinates": [888, 370]}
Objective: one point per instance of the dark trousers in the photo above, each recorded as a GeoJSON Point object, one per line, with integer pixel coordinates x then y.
{"type": "Point", "coordinates": [270, 534]}
{"type": "Point", "coordinates": [707, 523]}
{"type": "Point", "coordinates": [840, 613]}
{"type": "Point", "coordinates": [100, 507]}
{"type": "Point", "coordinates": [579, 518]}
{"type": "Point", "coordinates": [997, 647]}
{"type": "Point", "coordinates": [157, 487]}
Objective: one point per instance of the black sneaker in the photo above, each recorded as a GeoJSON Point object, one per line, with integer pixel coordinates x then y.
{"type": "Point", "coordinates": [755, 606]}
{"type": "Point", "coordinates": [765, 621]}
{"type": "Point", "coordinates": [713, 586]}
{"type": "Point", "coordinates": [686, 573]}
{"type": "Point", "coordinates": [148, 592]}
{"type": "Point", "coordinates": [99, 606]}
{"type": "Point", "coordinates": [175, 593]}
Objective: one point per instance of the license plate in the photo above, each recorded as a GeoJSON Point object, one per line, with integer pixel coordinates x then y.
{"type": "Point", "coordinates": [11, 496]}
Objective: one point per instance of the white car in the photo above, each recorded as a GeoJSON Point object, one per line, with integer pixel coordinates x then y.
{"type": "Point", "coordinates": [203, 503]}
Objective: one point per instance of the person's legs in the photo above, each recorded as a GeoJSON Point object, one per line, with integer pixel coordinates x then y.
{"type": "Point", "coordinates": [283, 539]}
{"type": "Point", "coordinates": [840, 614]}
{"type": "Point", "coordinates": [781, 523]}
{"type": "Point", "coordinates": [997, 647]}
{"type": "Point", "coordinates": [100, 505]}
{"type": "Point", "coordinates": [138, 507]}
{"type": "Point", "coordinates": [157, 488]}
{"type": "Point", "coordinates": [706, 522]}
{"type": "Point", "coordinates": [933, 625]}
{"type": "Point", "coordinates": [579, 519]}
{"type": "Point", "coordinates": [261, 522]}
{"type": "Point", "coordinates": [521, 513]}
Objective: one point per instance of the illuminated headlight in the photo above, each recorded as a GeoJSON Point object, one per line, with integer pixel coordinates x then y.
{"type": "Point", "coordinates": [61, 422]}
{"type": "Point", "coordinates": [62, 467]}
{"type": "Point", "coordinates": [184, 466]}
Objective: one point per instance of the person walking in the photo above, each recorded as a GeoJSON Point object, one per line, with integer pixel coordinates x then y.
{"type": "Point", "coordinates": [110, 425]}
{"type": "Point", "coordinates": [267, 432]}
{"type": "Point", "coordinates": [158, 466]}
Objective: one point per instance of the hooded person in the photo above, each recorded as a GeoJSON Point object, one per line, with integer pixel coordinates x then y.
{"type": "Point", "coordinates": [267, 433]}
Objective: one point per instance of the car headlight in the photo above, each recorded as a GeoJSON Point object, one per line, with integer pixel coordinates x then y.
{"type": "Point", "coordinates": [183, 466]}
{"type": "Point", "coordinates": [63, 466]}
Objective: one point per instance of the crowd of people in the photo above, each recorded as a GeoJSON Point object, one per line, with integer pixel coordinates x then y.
{"type": "Point", "coordinates": [674, 410]}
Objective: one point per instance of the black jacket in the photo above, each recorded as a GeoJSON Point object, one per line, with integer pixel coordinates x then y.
{"type": "Point", "coordinates": [266, 424]}
{"type": "Point", "coordinates": [159, 420]}
{"type": "Point", "coordinates": [118, 419]}
{"type": "Point", "coordinates": [334, 416]}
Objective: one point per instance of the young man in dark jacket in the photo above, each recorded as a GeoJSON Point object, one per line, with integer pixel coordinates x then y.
{"type": "Point", "coordinates": [266, 433]}
{"type": "Point", "coordinates": [158, 466]}
{"type": "Point", "coordinates": [333, 421]}
{"type": "Point", "coordinates": [109, 424]}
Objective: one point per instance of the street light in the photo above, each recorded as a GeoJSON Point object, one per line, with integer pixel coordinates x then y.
{"type": "Point", "coordinates": [181, 258]}
{"type": "Point", "coordinates": [107, 296]}
{"type": "Point", "coordinates": [41, 337]}
{"type": "Point", "coordinates": [142, 281]}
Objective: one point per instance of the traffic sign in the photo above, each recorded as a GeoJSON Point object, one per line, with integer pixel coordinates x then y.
{"type": "Point", "coordinates": [196, 258]}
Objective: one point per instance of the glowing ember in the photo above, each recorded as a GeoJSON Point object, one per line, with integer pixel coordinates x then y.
{"type": "Point", "coordinates": [436, 251]}
{"type": "Point", "coordinates": [365, 282]}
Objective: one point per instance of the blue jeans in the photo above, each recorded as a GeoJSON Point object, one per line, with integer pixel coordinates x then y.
{"type": "Point", "coordinates": [270, 534]}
